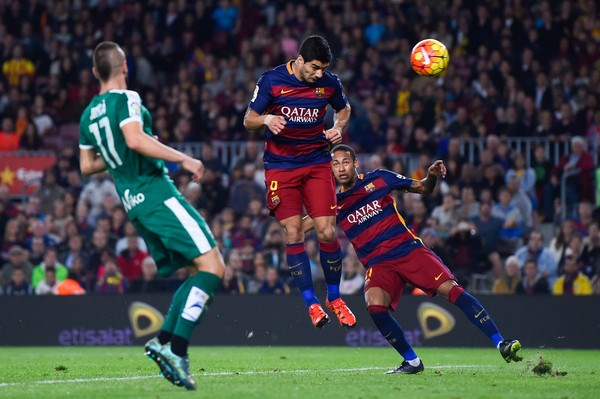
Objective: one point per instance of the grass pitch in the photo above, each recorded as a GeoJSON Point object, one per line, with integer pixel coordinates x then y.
{"type": "Point", "coordinates": [299, 372]}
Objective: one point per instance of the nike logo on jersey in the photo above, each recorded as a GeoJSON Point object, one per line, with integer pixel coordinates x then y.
{"type": "Point", "coordinates": [438, 277]}
{"type": "Point", "coordinates": [333, 206]}
{"type": "Point", "coordinates": [295, 266]}
{"type": "Point", "coordinates": [286, 91]}
{"type": "Point", "coordinates": [478, 314]}
{"type": "Point", "coordinates": [333, 262]}
{"type": "Point", "coordinates": [341, 206]}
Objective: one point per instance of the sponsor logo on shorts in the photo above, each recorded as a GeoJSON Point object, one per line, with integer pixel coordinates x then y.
{"type": "Point", "coordinates": [131, 200]}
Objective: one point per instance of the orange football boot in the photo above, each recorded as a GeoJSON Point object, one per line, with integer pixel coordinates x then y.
{"type": "Point", "coordinates": [317, 315]}
{"type": "Point", "coordinates": [343, 312]}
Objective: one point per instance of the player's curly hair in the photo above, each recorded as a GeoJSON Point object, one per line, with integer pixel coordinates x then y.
{"type": "Point", "coordinates": [315, 48]}
{"type": "Point", "coordinates": [346, 148]}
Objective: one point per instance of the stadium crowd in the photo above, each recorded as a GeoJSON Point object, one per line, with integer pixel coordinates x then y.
{"type": "Point", "coordinates": [517, 69]}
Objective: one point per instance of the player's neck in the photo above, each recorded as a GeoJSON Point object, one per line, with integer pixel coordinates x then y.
{"type": "Point", "coordinates": [117, 83]}
{"type": "Point", "coordinates": [296, 70]}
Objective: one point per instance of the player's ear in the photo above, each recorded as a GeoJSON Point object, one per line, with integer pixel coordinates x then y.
{"type": "Point", "coordinates": [95, 73]}
{"type": "Point", "coordinates": [300, 60]}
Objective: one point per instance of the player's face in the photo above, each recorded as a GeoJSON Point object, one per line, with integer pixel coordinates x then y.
{"type": "Point", "coordinates": [343, 167]}
{"type": "Point", "coordinates": [311, 71]}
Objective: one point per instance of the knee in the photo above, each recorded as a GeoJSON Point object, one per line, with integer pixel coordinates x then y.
{"type": "Point", "coordinates": [293, 234]}
{"type": "Point", "coordinates": [326, 234]}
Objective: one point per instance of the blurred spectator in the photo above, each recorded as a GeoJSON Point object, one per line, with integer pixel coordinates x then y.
{"type": "Point", "coordinates": [18, 284]}
{"type": "Point", "coordinates": [463, 246]}
{"type": "Point", "coordinates": [573, 282]}
{"type": "Point", "coordinates": [149, 281]}
{"type": "Point", "coordinates": [48, 192]}
{"type": "Point", "coordinates": [50, 261]}
{"type": "Point", "coordinates": [546, 263]}
{"type": "Point", "coordinates": [584, 217]}
{"type": "Point", "coordinates": [110, 280]}
{"type": "Point", "coordinates": [244, 190]}
{"type": "Point", "coordinates": [30, 140]}
{"type": "Point", "coordinates": [525, 175]}
{"type": "Point", "coordinates": [129, 231]}
{"type": "Point", "coordinates": [508, 283]}
{"type": "Point", "coordinates": [231, 284]}
{"type": "Point", "coordinates": [445, 215]}
{"type": "Point", "coordinates": [532, 283]}
{"type": "Point", "coordinates": [273, 284]}
{"type": "Point", "coordinates": [130, 259]}
{"type": "Point", "coordinates": [93, 195]}
{"type": "Point", "coordinates": [258, 279]}
{"type": "Point", "coordinates": [12, 236]}
{"type": "Point", "coordinates": [469, 206]}
{"type": "Point", "coordinates": [9, 139]}
{"type": "Point", "coordinates": [576, 168]}
{"type": "Point", "coordinates": [69, 286]}
{"type": "Point", "coordinates": [48, 285]}
{"type": "Point", "coordinates": [560, 242]}
{"type": "Point", "coordinates": [417, 216]}
{"type": "Point", "coordinates": [17, 67]}
{"type": "Point", "coordinates": [39, 230]}
{"type": "Point", "coordinates": [352, 279]}
{"type": "Point", "coordinates": [17, 260]}
{"type": "Point", "coordinates": [511, 233]}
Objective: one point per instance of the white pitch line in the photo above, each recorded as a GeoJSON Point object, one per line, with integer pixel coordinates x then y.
{"type": "Point", "coordinates": [218, 374]}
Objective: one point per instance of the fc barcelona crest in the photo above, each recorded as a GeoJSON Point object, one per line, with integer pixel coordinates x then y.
{"type": "Point", "coordinates": [320, 92]}
{"type": "Point", "coordinates": [370, 187]}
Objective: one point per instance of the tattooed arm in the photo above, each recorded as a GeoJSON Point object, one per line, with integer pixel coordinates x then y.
{"type": "Point", "coordinates": [426, 185]}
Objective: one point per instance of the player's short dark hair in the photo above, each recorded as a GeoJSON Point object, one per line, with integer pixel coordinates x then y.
{"type": "Point", "coordinates": [315, 48]}
{"type": "Point", "coordinates": [107, 59]}
{"type": "Point", "coordinates": [346, 148]}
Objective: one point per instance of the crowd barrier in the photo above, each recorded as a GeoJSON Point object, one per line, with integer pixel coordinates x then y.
{"type": "Point", "coordinates": [546, 321]}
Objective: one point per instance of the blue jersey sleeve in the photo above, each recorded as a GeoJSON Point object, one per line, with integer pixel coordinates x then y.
{"type": "Point", "coordinates": [262, 98]}
{"type": "Point", "coordinates": [338, 101]}
{"type": "Point", "coordinates": [395, 181]}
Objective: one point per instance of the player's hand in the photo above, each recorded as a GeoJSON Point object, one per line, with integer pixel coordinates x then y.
{"type": "Point", "coordinates": [437, 169]}
{"type": "Point", "coordinates": [333, 135]}
{"type": "Point", "coordinates": [275, 123]}
{"type": "Point", "coordinates": [195, 167]}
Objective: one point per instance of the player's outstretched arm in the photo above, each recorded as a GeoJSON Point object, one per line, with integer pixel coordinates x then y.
{"type": "Point", "coordinates": [90, 162]}
{"type": "Point", "coordinates": [254, 121]}
{"type": "Point", "coordinates": [139, 141]}
{"type": "Point", "coordinates": [426, 185]}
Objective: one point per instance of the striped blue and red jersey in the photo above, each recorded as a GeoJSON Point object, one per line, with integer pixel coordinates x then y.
{"type": "Point", "coordinates": [302, 140]}
{"type": "Point", "coordinates": [370, 218]}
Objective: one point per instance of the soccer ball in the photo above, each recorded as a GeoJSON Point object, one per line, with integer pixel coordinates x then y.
{"type": "Point", "coordinates": [429, 57]}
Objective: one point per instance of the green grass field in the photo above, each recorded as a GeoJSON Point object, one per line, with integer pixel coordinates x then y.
{"type": "Point", "coordinates": [298, 372]}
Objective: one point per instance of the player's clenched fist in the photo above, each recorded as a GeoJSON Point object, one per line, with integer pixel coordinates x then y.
{"type": "Point", "coordinates": [437, 169]}
{"type": "Point", "coordinates": [195, 167]}
{"type": "Point", "coordinates": [275, 123]}
{"type": "Point", "coordinates": [334, 135]}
